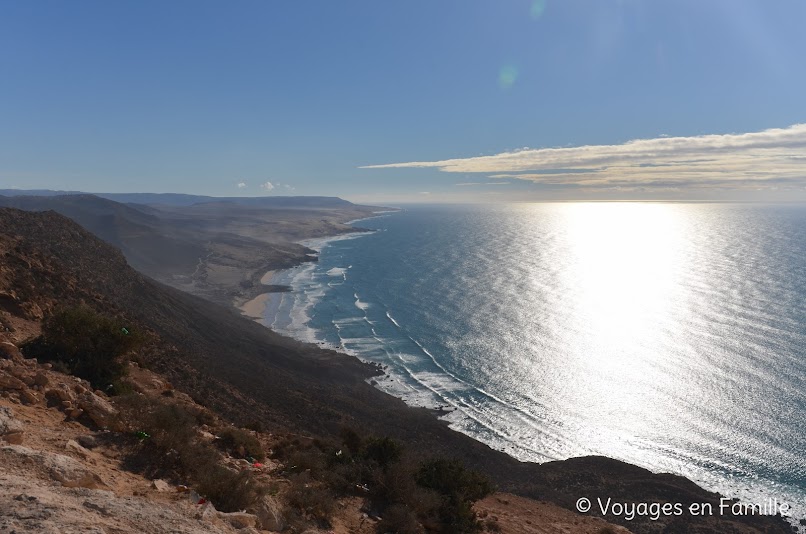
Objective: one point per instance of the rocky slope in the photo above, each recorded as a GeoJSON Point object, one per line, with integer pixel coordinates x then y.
{"type": "Point", "coordinates": [65, 468]}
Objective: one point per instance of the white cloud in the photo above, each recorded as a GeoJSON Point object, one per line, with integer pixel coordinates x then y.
{"type": "Point", "coordinates": [268, 186]}
{"type": "Point", "coordinates": [241, 185]}
{"type": "Point", "coordinates": [729, 160]}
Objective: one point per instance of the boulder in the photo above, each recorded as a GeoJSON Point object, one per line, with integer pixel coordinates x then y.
{"type": "Point", "coordinates": [239, 520]}
{"type": "Point", "coordinates": [208, 514]}
{"type": "Point", "coordinates": [9, 382]}
{"type": "Point", "coordinates": [41, 379]}
{"type": "Point", "coordinates": [28, 397]}
{"type": "Point", "coordinates": [18, 371]}
{"type": "Point", "coordinates": [160, 485]}
{"type": "Point", "coordinates": [11, 430]}
{"type": "Point", "coordinates": [99, 410]}
{"type": "Point", "coordinates": [61, 393]}
{"type": "Point", "coordinates": [269, 514]}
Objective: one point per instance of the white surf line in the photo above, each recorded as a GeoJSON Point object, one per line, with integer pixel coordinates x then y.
{"type": "Point", "coordinates": [392, 319]}
{"type": "Point", "coordinates": [479, 416]}
{"type": "Point", "coordinates": [525, 416]}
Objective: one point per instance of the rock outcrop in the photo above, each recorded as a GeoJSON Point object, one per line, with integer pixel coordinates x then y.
{"type": "Point", "coordinates": [63, 469]}
{"type": "Point", "coordinates": [98, 409]}
{"type": "Point", "coordinates": [11, 430]}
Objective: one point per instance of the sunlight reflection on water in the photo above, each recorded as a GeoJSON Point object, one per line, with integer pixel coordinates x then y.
{"type": "Point", "coordinates": [672, 336]}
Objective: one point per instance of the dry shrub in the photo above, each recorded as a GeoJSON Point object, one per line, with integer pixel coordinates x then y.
{"type": "Point", "coordinates": [230, 491]}
{"type": "Point", "coordinates": [309, 499]}
{"type": "Point", "coordinates": [239, 442]}
{"type": "Point", "coordinates": [173, 444]}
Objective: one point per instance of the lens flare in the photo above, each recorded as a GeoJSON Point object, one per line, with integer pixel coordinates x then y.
{"type": "Point", "coordinates": [507, 76]}
{"type": "Point", "coordinates": [538, 6]}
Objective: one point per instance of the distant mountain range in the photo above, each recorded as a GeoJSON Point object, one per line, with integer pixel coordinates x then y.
{"type": "Point", "coordinates": [179, 199]}
{"type": "Point", "coordinates": [215, 247]}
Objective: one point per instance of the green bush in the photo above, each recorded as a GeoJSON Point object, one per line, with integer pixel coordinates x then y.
{"type": "Point", "coordinates": [450, 478]}
{"type": "Point", "coordinates": [383, 451]}
{"type": "Point", "coordinates": [459, 488]}
{"type": "Point", "coordinates": [86, 344]}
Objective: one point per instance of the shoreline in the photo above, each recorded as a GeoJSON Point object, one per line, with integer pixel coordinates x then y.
{"type": "Point", "coordinates": [257, 307]}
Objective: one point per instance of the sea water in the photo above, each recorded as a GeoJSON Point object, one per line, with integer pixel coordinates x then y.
{"type": "Point", "coordinates": [671, 336]}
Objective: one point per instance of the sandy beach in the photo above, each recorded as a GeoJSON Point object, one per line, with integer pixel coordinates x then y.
{"type": "Point", "coordinates": [254, 308]}
{"type": "Point", "coordinates": [266, 278]}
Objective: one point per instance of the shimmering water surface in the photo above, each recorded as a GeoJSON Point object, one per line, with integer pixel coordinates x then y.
{"type": "Point", "coordinates": [672, 336]}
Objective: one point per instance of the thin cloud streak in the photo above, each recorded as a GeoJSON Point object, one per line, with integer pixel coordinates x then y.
{"type": "Point", "coordinates": [729, 160]}
{"type": "Point", "coordinates": [468, 184]}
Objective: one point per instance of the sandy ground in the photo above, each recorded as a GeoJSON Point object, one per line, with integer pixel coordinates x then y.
{"type": "Point", "coordinates": [266, 278]}
{"type": "Point", "coordinates": [255, 307]}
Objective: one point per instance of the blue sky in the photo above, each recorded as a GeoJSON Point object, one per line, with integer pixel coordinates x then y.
{"type": "Point", "coordinates": [369, 100]}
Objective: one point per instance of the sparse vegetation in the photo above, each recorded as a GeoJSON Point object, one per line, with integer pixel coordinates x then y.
{"type": "Point", "coordinates": [411, 497]}
{"type": "Point", "coordinates": [309, 500]}
{"type": "Point", "coordinates": [239, 442]}
{"type": "Point", "coordinates": [450, 478]}
{"type": "Point", "coordinates": [87, 344]}
{"type": "Point", "coordinates": [174, 447]}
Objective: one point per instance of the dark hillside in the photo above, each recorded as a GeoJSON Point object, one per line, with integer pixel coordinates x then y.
{"type": "Point", "coordinates": [139, 234]}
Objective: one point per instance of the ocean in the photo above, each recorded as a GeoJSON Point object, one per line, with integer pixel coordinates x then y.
{"type": "Point", "coordinates": [668, 335]}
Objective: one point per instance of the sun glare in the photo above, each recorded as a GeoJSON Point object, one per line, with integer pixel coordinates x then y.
{"type": "Point", "coordinates": [621, 297]}
{"type": "Point", "coordinates": [622, 289]}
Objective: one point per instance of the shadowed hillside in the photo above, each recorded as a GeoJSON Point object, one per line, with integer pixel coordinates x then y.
{"type": "Point", "coordinates": [218, 249]}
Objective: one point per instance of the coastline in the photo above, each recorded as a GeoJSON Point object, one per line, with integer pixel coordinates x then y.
{"type": "Point", "coordinates": [248, 373]}
{"type": "Point", "coordinates": [257, 307]}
